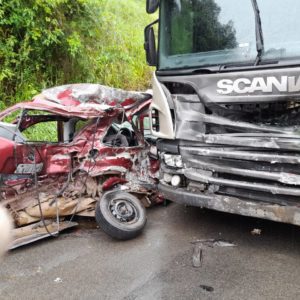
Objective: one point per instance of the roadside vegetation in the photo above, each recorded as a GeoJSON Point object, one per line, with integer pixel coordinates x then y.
{"type": "Point", "coordinates": [46, 43]}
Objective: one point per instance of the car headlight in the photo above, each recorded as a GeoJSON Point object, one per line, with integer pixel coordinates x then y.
{"type": "Point", "coordinates": [173, 160]}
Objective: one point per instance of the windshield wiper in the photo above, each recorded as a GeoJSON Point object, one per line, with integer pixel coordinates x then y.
{"type": "Point", "coordinates": [259, 34]}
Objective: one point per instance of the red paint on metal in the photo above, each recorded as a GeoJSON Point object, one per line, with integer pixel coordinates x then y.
{"type": "Point", "coordinates": [138, 109]}
{"type": "Point", "coordinates": [105, 165]}
{"type": "Point", "coordinates": [7, 152]}
{"type": "Point", "coordinates": [70, 102]}
{"type": "Point", "coordinates": [128, 102]}
{"type": "Point", "coordinates": [66, 94]}
{"type": "Point", "coordinates": [154, 165]}
{"type": "Point", "coordinates": [158, 199]}
{"type": "Point", "coordinates": [111, 182]}
{"type": "Point", "coordinates": [67, 99]}
{"type": "Point", "coordinates": [8, 165]}
{"type": "Point", "coordinates": [58, 164]}
{"type": "Point", "coordinates": [16, 182]}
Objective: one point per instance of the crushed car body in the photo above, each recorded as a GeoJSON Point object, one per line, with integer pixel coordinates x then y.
{"type": "Point", "coordinates": [94, 141]}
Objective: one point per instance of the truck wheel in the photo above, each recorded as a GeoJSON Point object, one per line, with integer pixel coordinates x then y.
{"type": "Point", "coordinates": [120, 215]}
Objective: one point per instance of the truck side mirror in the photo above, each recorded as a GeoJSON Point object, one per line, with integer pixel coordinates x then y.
{"type": "Point", "coordinates": [152, 6]}
{"type": "Point", "coordinates": [150, 45]}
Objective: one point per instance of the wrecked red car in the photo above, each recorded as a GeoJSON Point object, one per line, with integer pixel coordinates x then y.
{"type": "Point", "coordinates": [78, 150]}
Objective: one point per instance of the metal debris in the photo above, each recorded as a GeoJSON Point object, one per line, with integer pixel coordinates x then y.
{"type": "Point", "coordinates": [215, 243]}
{"type": "Point", "coordinates": [207, 288]}
{"type": "Point", "coordinates": [197, 256]}
{"type": "Point", "coordinates": [58, 280]}
{"type": "Point", "coordinates": [201, 245]}
{"type": "Point", "coordinates": [256, 231]}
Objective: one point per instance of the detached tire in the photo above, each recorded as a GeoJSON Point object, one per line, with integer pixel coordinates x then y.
{"type": "Point", "coordinates": [120, 215]}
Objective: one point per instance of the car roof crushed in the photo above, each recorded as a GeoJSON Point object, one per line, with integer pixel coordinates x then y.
{"type": "Point", "coordinates": [84, 101]}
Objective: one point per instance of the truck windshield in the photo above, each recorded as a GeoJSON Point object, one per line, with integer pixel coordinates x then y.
{"type": "Point", "coordinates": [198, 33]}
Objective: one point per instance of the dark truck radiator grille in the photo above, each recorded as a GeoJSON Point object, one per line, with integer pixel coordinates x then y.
{"type": "Point", "coordinates": [250, 174]}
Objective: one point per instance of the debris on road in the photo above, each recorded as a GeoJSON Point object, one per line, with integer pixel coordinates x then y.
{"type": "Point", "coordinates": [256, 231]}
{"type": "Point", "coordinates": [207, 288]}
{"type": "Point", "coordinates": [58, 280]}
{"type": "Point", "coordinates": [215, 243]}
{"type": "Point", "coordinates": [220, 243]}
{"type": "Point", "coordinates": [201, 245]}
{"type": "Point", "coordinates": [197, 256]}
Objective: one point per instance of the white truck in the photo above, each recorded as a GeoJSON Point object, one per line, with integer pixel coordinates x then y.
{"type": "Point", "coordinates": [226, 104]}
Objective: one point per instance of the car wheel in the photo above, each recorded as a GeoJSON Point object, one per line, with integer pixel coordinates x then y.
{"type": "Point", "coordinates": [120, 215]}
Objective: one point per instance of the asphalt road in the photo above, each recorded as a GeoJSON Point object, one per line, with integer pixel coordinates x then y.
{"type": "Point", "coordinates": [86, 264]}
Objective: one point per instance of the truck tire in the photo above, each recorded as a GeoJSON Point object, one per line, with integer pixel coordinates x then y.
{"type": "Point", "coordinates": [120, 215]}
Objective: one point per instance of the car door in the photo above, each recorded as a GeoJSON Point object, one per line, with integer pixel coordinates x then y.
{"type": "Point", "coordinates": [43, 150]}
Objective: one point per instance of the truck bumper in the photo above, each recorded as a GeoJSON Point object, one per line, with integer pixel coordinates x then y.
{"type": "Point", "coordinates": [274, 212]}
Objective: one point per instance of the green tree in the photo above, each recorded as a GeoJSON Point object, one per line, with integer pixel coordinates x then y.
{"type": "Point", "coordinates": [209, 33]}
{"type": "Point", "coordinates": [50, 42]}
{"type": "Point", "coordinates": [196, 27]}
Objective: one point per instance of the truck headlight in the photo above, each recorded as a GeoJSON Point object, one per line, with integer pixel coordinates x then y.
{"type": "Point", "coordinates": [173, 160]}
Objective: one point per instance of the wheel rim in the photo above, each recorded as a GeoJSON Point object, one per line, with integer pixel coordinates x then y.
{"type": "Point", "coordinates": [124, 211]}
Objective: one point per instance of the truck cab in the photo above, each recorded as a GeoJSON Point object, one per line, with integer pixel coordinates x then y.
{"type": "Point", "coordinates": [226, 104]}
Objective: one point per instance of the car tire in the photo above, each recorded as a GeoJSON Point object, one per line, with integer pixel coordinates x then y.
{"type": "Point", "coordinates": [121, 215]}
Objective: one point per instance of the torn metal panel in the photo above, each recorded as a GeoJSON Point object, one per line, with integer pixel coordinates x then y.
{"type": "Point", "coordinates": [58, 163]}
{"type": "Point", "coordinates": [111, 182]}
{"type": "Point", "coordinates": [189, 112]}
{"type": "Point", "coordinates": [192, 123]}
{"type": "Point", "coordinates": [29, 234]}
{"type": "Point", "coordinates": [62, 206]}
